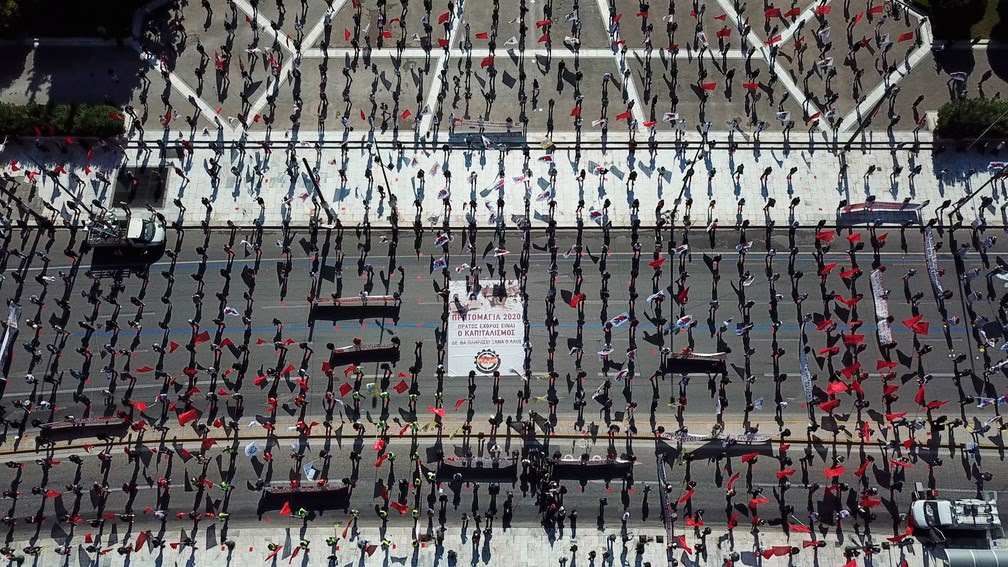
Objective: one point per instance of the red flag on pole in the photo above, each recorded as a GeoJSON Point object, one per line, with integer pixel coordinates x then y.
{"type": "Point", "coordinates": [834, 472]}
{"type": "Point", "coordinates": [187, 416]}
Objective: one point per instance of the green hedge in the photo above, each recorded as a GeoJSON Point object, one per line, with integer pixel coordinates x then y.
{"type": "Point", "coordinates": [89, 120]}
{"type": "Point", "coordinates": [970, 117]}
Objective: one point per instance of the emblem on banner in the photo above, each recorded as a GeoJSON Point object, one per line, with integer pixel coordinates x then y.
{"type": "Point", "coordinates": [487, 361]}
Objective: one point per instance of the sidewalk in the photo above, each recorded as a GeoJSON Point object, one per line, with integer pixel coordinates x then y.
{"type": "Point", "coordinates": [715, 189]}
{"type": "Point", "coordinates": [523, 546]}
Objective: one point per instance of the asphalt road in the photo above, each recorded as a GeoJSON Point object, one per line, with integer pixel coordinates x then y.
{"type": "Point", "coordinates": [225, 279]}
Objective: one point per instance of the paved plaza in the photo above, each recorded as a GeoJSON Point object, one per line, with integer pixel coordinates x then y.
{"type": "Point", "coordinates": [571, 282]}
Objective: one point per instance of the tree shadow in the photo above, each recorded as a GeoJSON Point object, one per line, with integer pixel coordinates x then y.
{"type": "Point", "coordinates": [954, 20]}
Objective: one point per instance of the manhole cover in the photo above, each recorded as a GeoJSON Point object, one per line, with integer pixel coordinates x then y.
{"type": "Point", "coordinates": [140, 186]}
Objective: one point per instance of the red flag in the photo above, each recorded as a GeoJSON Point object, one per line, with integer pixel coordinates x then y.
{"type": "Point", "coordinates": [285, 511]}
{"type": "Point", "coordinates": [405, 114]}
{"type": "Point", "coordinates": [543, 23]}
{"type": "Point", "coordinates": [576, 111]}
{"type": "Point", "coordinates": [481, 35]}
{"type": "Point", "coordinates": [487, 61]}
{"type": "Point", "coordinates": [876, 9]}
{"type": "Point", "coordinates": [52, 493]}
{"type": "Point", "coordinates": [823, 10]}
{"type": "Point", "coordinates": [776, 551]}
{"type": "Point", "coordinates": [144, 369]}
{"type": "Point", "coordinates": [722, 17]}
{"type": "Point", "coordinates": [853, 339]}
{"type": "Point", "coordinates": [682, 296]}
{"type": "Point", "coordinates": [623, 116]}
{"type": "Point", "coordinates": [858, 18]}
{"type": "Point", "coordinates": [443, 18]}
{"type": "Point", "coordinates": [829, 406]}
{"type": "Point", "coordinates": [686, 496]}
{"type": "Point", "coordinates": [708, 86]}
{"type": "Point", "coordinates": [749, 457]}
{"type": "Point", "coordinates": [869, 503]}
{"type": "Point", "coordinates": [785, 473]}
{"type": "Point", "coordinates": [172, 345]}
{"type": "Point", "coordinates": [459, 402]}
{"type": "Point", "coordinates": [848, 274]}
{"type": "Point", "coordinates": [807, 544]}
{"type": "Point", "coordinates": [349, 370]}
{"type": "Point", "coordinates": [750, 86]}
{"type": "Point", "coordinates": [895, 416]}
{"type": "Point", "coordinates": [723, 32]}
{"type": "Point", "coordinates": [731, 481]}
{"type": "Point", "coordinates": [889, 389]}
{"type": "Point", "coordinates": [827, 268]}
{"type": "Point", "coordinates": [901, 537]}
{"type": "Point", "coordinates": [757, 501]}
{"type": "Point", "coordinates": [544, 38]}
{"type": "Point", "coordinates": [436, 411]}
{"type": "Point", "coordinates": [771, 13]}
{"type": "Point", "coordinates": [442, 42]}
{"type": "Point", "coordinates": [187, 416]}
{"type": "Point", "coordinates": [836, 387]}
{"type": "Point", "coordinates": [775, 39]}
{"type": "Point", "coordinates": [834, 472]}
{"type": "Point", "coordinates": [657, 263]}
{"type": "Point", "coordinates": [793, 12]}
{"type": "Point", "coordinates": [345, 389]}
{"type": "Point", "coordinates": [885, 365]}
{"type": "Point", "coordinates": [800, 528]}
{"type": "Point", "coordinates": [202, 337]}
{"type": "Point", "coordinates": [935, 404]}
{"type": "Point", "coordinates": [401, 387]}
{"type": "Point", "coordinates": [402, 508]}
{"type": "Point", "coordinates": [733, 520]}
{"type": "Point", "coordinates": [829, 350]}
{"type": "Point", "coordinates": [575, 299]}
{"type": "Point", "coordinates": [850, 370]}
{"type": "Point", "coordinates": [919, 397]}
{"type": "Point", "coordinates": [848, 302]}
{"type": "Point", "coordinates": [208, 442]}
{"type": "Point", "coordinates": [861, 470]}
{"type": "Point", "coordinates": [140, 406]}
{"type": "Point", "coordinates": [346, 34]}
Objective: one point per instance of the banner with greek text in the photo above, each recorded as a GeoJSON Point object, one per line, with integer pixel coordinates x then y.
{"type": "Point", "coordinates": [485, 329]}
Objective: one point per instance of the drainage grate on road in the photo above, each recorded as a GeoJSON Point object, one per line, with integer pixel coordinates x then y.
{"type": "Point", "coordinates": [140, 186]}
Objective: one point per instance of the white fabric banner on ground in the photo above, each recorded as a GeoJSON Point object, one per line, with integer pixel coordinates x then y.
{"type": "Point", "coordinates": [806, 375]}
{"type": "Point", "coordinates": [881, 308]}
{"type": "Point", "coordinates": [10, 335]}
{"type": "Point", "coordinates": [931, 259]}
{"type": "Point", "coordinates": [485, 331]}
